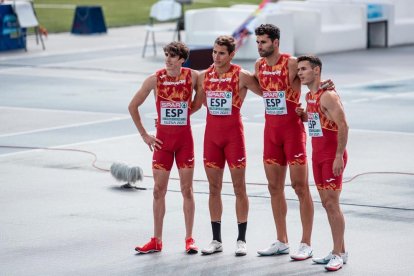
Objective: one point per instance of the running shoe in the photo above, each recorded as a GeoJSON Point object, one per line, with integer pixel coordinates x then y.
{"type": "Point", "coordinates": [241, 249]}
{"type": "Point", "coordinates": [152, 246]}
{"type": "Point", "coordinates": [190, 246]}
{"type": "Point", "coordinates": [335, 263]}
{"type": "Point", "coordinates": [276, 248]}
{"type": "Point", "coordinates": [304, 252]}
{"type": "Point", "coordinates": [326, 259]}
{"type": "Point", "coordinates": [213, 247]}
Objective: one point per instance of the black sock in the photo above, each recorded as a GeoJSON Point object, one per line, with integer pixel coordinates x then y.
{"type": "Point", "coordinates": [242, 231]}
{"type": "Point", "coordinates": [216, 226]}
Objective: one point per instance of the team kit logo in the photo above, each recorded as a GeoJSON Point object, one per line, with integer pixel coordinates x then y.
{"type": "Point", "coordinates": [219, 102]}
{"type": "Point", "coordinates": [174, 113]}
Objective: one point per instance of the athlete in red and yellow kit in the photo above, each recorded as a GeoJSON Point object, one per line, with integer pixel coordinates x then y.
{"type": "Point", "coordinates": [173, 90]}
{"type": "Point", "coordinates": [328, 128]}
{"type": "Point", "coordinates": [284, 139]}
{"type": "Point", "coordinates": [224, 86]}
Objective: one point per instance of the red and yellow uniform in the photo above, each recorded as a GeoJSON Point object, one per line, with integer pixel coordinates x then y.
{"type": "Point", "coordinates": [284, 133]}
{"type": "Point", "coordinates": [324, 133]}
{"type": "Point", "coordinates": [173, 101]}
{"type": "Point", "coordinates": [223, 138]}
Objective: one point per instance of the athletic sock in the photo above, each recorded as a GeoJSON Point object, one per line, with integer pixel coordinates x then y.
{"type": "Point", "coordinates": [216, 226]}
{"type": "Point", "coordinates": [242, 231]}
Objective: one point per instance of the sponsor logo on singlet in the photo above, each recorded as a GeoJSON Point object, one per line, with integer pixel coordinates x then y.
{"type": "Point", "coordinates": [172, 83]}
{"type": "Point", "coordinates": [277, 72]}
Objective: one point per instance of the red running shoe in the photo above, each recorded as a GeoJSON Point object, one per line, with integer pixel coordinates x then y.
{"type": "Point", "coordinates": [152, 246]}
{"type": "Point", "coordinates": [190, 247]}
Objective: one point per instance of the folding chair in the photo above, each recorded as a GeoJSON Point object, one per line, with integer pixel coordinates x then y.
{"type": "Point", "coordinates": [162, 11]}
{"type": "Point", "coordinates": [27, 18]}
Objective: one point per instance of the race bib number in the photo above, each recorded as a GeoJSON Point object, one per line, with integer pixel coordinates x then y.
{"type": "Point", "coordinates": [174, 113]}
{"type": "Point", "coordinates": [219, 102]}
{"type": "Point", "coordinates": [314, 125]}
{"type": "Point", "coordinates": [275, 102]}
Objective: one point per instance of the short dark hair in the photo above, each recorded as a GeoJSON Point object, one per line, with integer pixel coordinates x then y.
{"type": "Point", "coordinates": [271, 30]}
{"type": "Point", "coordinates": [228, 41]}
{"type": "Point", "coordinates": [177, 48]}
{"type": "Point", "coordinates": [313, 60]}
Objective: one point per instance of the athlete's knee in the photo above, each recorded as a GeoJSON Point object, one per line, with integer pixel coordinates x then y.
{"type": "Point", "coordinates": [301, 188]}
{"type": "Point", "coordinates": [159, 192]}
{"type": "Point", "coordinates": [240, 190]}
{"type": "Point", "coordinates": [275, 189]}
{"type": "Point", "coordinates": [187, 192]}
{"type": "Point", "coordinates": [331, 206]}
{"type": "Point", "coordinates": [215, 189]}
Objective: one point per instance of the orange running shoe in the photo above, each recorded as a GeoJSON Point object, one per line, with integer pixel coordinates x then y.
{"type": "Point", "coordinates": [190, 247]}
{"type": "Point", "coordinates": [152, 246]}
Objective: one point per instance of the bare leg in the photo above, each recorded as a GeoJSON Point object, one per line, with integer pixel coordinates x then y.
{"type": "Point", "coordinates": [215, 180]}
{"type": "Point", "coordinates": [330, 201]}
{"type": "Point", "coordinates": [239, 186]}
{"type": "Point", "coordinates": [158, 205]}
{"type": "Point", "coordinates": [299, 179]}
{"type": "Point", "coordinates": [186, 183]}
{"type": "Point", "coordinates": [276, 177]}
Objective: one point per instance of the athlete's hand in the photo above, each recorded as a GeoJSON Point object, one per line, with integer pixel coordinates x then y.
{"type": "Point", "coordinates": [152, 142]}
{"type": "Point", "coordinates": [327, 84]}
{"type": "Point", "coordinates": [300, 111]}
{"type": "Point", "coordinates": [338, 166]}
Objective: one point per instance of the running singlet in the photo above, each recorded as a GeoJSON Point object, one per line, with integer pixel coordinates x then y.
{"type": "Point", "coordinates": [173, 98]}
{"type": "Point", "coordinates": [279, 98]}
{"type": "Point", "coordinates": [223, 138]}
{"type": "Point", "coordinates": [284, 134]}
{"type": "Point", "coordinates": [324, 133]}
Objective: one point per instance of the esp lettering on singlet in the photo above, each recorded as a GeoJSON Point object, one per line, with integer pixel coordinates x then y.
{"type": "Point", "coordinates": [317, 120]}
{"type": "Point", "coordinates": [219, 102]}
{"type": "Point", "coordinates": [278, 95]}
{"type": "Point", "coordinates": [275, 102]}
{"type": "Point", "coordinates": [222, 91]}
{"type": "Point", "coordinates": [174, 96]}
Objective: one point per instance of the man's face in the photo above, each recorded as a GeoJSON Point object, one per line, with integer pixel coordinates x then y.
{"type": "Point", "coordinates": [172, 61]}
{"type": "Point", "coordinates": [265, 46]}
{"type": "Point", "coordinates": [306, 73]}
{"type": "Point", "coordinates": [221, 56]}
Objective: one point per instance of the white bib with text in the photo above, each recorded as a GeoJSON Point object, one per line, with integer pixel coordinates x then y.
{"type": "Point", "coordinates": [174, 113]}
{"type": "Point", "coordinates": [275, 102]}
{"type": "Point", "coordinates": [219, 102]}
{"type": "Point", "coordinates": [314, 125]}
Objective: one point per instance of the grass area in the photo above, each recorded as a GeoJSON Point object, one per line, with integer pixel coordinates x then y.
{"type": "Point", "coordinates": [57, 15]}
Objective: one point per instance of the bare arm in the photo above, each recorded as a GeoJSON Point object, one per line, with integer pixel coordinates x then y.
{"type": "Point", "coordinates": [293, 74]}
{"type": "Point", "coordinates": [199, 95]}
{"type": "Point", "coordinates": [332, 107]}
{"type": "Point", "coordinates": [133, 107]}
{"type": "Point", "coordinates": [249, 81]}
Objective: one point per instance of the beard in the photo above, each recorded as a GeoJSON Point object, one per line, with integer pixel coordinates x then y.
{"type": "Point", "coordinates": [268, 52]}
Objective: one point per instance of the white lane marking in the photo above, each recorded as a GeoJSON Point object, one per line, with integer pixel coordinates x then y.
{"type": "Point", "coordinates": [64, 126]}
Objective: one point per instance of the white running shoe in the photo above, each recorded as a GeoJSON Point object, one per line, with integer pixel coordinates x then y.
{"type": "Point", "coordinates": [275, 249]}
{"type": "Point", "coordinates": [241, 249]}
{"type": "Point", "coordinates": [304, 252]}
{"type": "Point", "coordinates": [326, 259]}
{"type": "Point", "coordinates": [213, 247]}
{"type": "Point", "coordinates": [335, 263]}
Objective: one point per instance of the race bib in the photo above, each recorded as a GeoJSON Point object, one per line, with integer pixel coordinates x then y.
{"type": "Point", "coordinates": [174, 113]}
{"type": "Point", "coordinates": [314, 125]}
{"type": "Point", "coordinates": [219, 102]}
{"type": "Point", "coordinates": [275, 102]}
